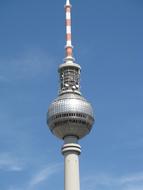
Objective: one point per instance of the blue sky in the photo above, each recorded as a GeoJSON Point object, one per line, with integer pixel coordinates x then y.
{"type": "Point", "coordinates": [108, 44]}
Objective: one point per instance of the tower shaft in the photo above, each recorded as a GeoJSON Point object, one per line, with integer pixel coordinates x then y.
{"type": "Point", "coordinates": [71, 152]}
{"type": "Point", "coordinates": [71, 179]}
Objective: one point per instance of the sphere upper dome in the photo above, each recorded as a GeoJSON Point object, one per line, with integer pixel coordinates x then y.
{"type": "Point", "coordinates": [70, 115]}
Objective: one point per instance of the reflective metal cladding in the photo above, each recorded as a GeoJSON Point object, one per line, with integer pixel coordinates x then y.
{"type": "Point", "coordinates": [70, 115]}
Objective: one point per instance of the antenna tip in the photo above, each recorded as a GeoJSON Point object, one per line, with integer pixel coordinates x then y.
{"type": "Point", "coordinates": [68, 3]}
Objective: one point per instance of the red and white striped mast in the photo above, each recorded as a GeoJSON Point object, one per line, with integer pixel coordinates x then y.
{"type": "Point", "coordinates": [68, 47]}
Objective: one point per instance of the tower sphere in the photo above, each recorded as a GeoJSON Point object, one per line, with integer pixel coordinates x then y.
{"type": "Point", "coordinates": [70, 115]}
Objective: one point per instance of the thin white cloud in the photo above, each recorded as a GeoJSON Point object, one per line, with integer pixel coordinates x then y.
{"type": "Point", "coordinates": [9, 163]}
{"type": "Point", "coordinates": [107, 181]}
{"type": "Point", "coordinates": [132, 178]}
{"type": "Point", "coordinates": [38, 178]}
{"type": "Point", "coordinates": [43, 175]}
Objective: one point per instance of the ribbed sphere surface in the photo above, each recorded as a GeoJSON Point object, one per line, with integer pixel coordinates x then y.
{"type": "Point", "coordinates": [70, 114]}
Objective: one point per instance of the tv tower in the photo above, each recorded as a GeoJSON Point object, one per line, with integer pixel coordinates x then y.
{"type": "Point", "coordinates": [70, 116]}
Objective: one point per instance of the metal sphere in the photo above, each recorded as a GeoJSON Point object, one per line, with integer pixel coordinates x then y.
{"type": "Point", "coordinates": [70, 115]}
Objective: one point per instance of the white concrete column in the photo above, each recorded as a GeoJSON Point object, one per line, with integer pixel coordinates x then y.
{"type": "Point", "coordinates": [71, 151]}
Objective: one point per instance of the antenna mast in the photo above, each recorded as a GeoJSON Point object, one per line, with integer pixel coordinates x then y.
{"type": "Point", "coordinates": [68, 47]}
